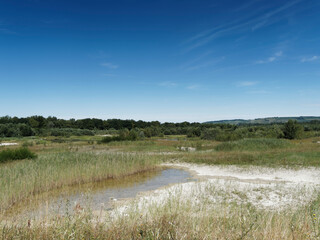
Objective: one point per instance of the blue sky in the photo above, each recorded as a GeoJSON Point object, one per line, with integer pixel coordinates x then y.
{"type": "Point", "coordinates": [167, 60]}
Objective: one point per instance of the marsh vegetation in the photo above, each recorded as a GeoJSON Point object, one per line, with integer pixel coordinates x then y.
{"type": "Point", "coordinates": [223, 208]}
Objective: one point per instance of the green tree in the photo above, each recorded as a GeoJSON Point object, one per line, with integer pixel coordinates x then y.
{"type": "Point", "coordinates": [292, 130]}
{"type": "Point", "coordinates": [211, 133]}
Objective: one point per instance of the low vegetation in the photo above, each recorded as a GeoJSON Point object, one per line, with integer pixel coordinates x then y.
{"type": "Point", "coordinates": [69, 154]}
{"type": "Point", "coordinates": [8, 155]}
{"type": "Point", "coordinates": [124, 135]}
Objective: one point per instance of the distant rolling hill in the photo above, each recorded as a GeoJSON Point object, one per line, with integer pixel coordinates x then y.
{"type": "Point", "coordinates": [267, 120]}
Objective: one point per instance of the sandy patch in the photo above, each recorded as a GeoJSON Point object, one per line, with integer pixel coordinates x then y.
{"type": "Point", "coordinates": [302, 175]}
{"type": "Point", "coordinates": [8, 144]}
{"type": "Point", "coordinates": [266, 188]}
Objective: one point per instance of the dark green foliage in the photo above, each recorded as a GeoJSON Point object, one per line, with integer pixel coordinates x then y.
{"type": "Point", "coordinates": [65, 132]}
{"type": "Point", "coordinates": [257, 144]}
{"type": "Point", "coordinates": [233, 132]}
{"type": "Point", "coordinates": [16, 154]}
{"type": "Point", "coordinates": [223, 135]}
{"type": "Point", "coordinates": [52, 126]}
{"type": "Point", "coordinates": [110, 139]}
{"type": "Point", "coordinates": [124, 135]}
{"type": "Point", "coordinates": [16, 130]}
{"type": "Point", "coordinates": [292, 130]}
{"type": "Point", "coordinates": [133, 135]}
{"type": "Point", "coordinates": [211, 133]}
{"type": "Point", "coordinates": [194, 132]}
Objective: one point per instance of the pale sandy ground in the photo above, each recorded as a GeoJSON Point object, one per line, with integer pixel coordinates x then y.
{"type": "Point", "coordinates": [272, 189]}
{"type": "Point", "coordinates": [8, 144]}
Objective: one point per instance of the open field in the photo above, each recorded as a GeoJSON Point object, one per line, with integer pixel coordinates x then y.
{"type": "Point", "coordinates": [247, 189]}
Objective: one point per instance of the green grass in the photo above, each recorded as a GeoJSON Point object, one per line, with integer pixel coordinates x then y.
{"type": "Point", "coordinates": [257, 152]}
{"type": "Point", "coordinates": [253, 144]}
{"type": "Point", "coordinates": [8, 155]}
{"type": "Point", "coordinates": [55, 170]}
{"type": "Point", "coordinates": [172, 219]}
{"type": "Point", "coordinates": [268, 159]}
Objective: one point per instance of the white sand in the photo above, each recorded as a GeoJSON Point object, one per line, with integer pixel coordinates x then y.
{"type": "Point", "coordinates": [302, 175]}
{"type": "Point", "coordinates": [267, 188]}
{"type": "Point", "coordinates": [8, 144]}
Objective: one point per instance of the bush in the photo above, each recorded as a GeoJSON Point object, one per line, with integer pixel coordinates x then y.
{"type": "Point", "coordinates": [220, 135]}
{"type": "Point", "coordinates": [110, 139]}
{"type": "Point", "coordinates": [211, 133]}
{"type": "Point", "coordinates": [124, 135]}
{"type": "Point", "coordinates": [292, 130]}
{"type": "Point", "coordinates": [16, 154]}
{"type": "Point", "coordinates": [67, 132]}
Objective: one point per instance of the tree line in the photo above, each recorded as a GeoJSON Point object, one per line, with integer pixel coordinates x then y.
{"type": "Point", "coordinates": [52, 126]}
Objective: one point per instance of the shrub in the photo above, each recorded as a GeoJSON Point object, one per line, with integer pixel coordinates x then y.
{"type": "Point", "coordinates": [16, 154]}
{"type": "Point", "coordinates": [124, 135]}
{"type": "Point", "coordinates": [108, 139]}
{"type": "Point", "coordinates": [211, 133]}
{"type": "Point", "coordinates": [292, 129]}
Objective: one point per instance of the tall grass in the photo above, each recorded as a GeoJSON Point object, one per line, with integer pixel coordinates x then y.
{"type": "Point", "coordinates": [179, 219]}
{"type": "Point", "coordinates": [253, 144]}
{"type": "Point", "coordinates": [55, 170]}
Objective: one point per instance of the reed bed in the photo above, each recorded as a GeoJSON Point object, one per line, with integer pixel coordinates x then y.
{"type": "Point", "coordinates": [25, 178]}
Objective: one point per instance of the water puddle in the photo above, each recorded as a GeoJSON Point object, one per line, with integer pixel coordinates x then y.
{"type": "Point", "coordinates": [97, 196]}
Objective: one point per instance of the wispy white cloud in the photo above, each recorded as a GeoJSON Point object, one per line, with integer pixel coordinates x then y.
{"type": "Point", "coordinates": [205, 64]}
{"type": "Point", "coordinates": [258, 92]}
{"type": "Point", "coordinates": [100, 54]}
{"type": "Point", "coordinates": [201, 61]}
{"type": "Point", "coordinates": [109, 65]}
{"type": "Point", "coordinates": [5, 30]}
{"type": "Point", "coordinates": [250, 23]}
{"type": "Point", "coordinates": [168, 84]}
{"type": "Point", "coordinates": [247, 83]}
{"type": "Point", "coordinates": [273, 58]}
{"type": "Point", "coordinates": [266, 18]}
{"type": "Point", "coordinates": [196, 59]}
{"type": "Point", "coordinates": [109, 75]}
{"type": "Point", "coordinates": [278, 54]}
{"type": "Point", "coordinates": [245, 6]}
{"type": "Point", "coordinates": [193, 87]}
{"type": "Point", "coordinates": [310, 59]}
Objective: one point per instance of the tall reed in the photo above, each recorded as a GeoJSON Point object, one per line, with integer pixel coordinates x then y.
{"type": "Point", "coordinates": [22, 179]}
